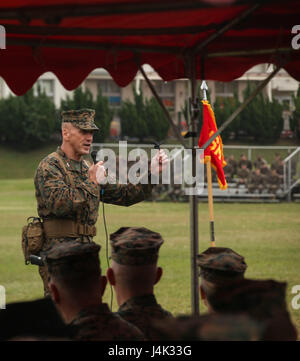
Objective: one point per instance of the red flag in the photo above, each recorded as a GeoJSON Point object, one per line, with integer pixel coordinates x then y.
{"type": "Point", "coordinates": [214, 152]}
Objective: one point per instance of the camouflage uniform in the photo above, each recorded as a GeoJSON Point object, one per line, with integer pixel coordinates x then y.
{"type": "Point", "coordinates": [247, 162]}
{"type": "Point", "coordinates": [256, 182]}
{"type": "Point", "coordinates": [98, 323]}
{"type": "Point", "coordinates": [220, 265]}
{"type": "Point", "coordinates": [141, 311]}
{"type": "Point", "coordinates": [265, 170]}
{"type": "Point", "coordinates": [210, 327]}
{"type": "Point", "coordinates": [58, 200]}
{"type": "Point", "coordinates": [138, 247]}
{"type": "Point", "coordinates": [262, 300]}
{"type": "Point", "coordinates": [259, 162]}
{"type": "Point", "coordinates": [234, 165]}
{"type": "Point", "coordinates": [273, 183]}
{"type": "Point", "coordinates": [243, 174]}
{"type": "Point", "coordinates": [76, 266]}
{"type": "Point", "coordinates": [229, 172]}
{"type": "Point", "coordinates": [176, 193]}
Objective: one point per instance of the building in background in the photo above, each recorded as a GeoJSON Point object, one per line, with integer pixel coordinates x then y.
{"type": "Point", "coordinates": [174, 93]}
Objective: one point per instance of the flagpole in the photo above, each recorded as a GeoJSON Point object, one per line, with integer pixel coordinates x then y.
{"type": "Point", "coordinates": [209, 185]}
{"type": "Point", "coordinates": [210, 204]}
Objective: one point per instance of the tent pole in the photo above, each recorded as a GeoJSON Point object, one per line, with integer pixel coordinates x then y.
{"type": "Point", "coordinates": [199, 47]}
{"type": "Point", "coordinates": [193, 199]}
{"type": "Point", "coordinates": [165, 110]}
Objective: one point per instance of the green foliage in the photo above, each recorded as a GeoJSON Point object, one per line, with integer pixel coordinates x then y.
{"type": "Point", "coordinates": [79, 100]}
{"type": "Point", "coordinates": [27, 121]}
{"type": "Point", "coordinates": [223, 108]}
{"type": "Point", "coordinates": [261, 119]}
{"type": "Point", "coordinates": [132, 117]}
{"type": "Point", "coordinates": [144, 118]}
{"type": "Point", "coordinates": [103, 117]}
{"type": "Point", "coordinates": [103, 113]}
{"type": "Point", "coordinates": [157, 121]}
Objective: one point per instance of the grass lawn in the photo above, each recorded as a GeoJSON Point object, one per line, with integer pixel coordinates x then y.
{"type": "Point", "coordinates": [267, 235]}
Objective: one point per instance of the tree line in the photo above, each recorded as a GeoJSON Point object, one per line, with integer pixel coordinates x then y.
{"type": "Point", "coordinates": [261, 121]}
{"type": "Point", "coordinates": [31, 120]}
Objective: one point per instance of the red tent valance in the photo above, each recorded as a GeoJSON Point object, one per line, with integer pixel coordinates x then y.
{"type": "Point", "coordinates": [72, 39]}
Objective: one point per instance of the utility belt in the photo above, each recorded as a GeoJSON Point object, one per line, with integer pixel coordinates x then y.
{"type": "Point", "coordinates": [37, 231]}
{"type": "Point", "coordinates": [59, 228]}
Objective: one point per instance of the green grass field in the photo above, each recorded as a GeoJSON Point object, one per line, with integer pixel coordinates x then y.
{"type": "Point", "coordinates": [266, 234]}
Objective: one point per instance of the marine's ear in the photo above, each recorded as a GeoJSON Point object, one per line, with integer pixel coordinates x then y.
{"type": "Point", "coordinates": [159, 272]}
{"type": "Point", "coordinates": [111, 276]}
{"type": "Point", "coordinates": [55, 295]}
{"type": "Point", "coordinates": [202, 293]}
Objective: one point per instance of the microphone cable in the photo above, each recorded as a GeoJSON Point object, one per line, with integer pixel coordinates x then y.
{"type": "Point", "coordinates": [106, 236]}
{"type": "Point", "coordinates": [94, 157]}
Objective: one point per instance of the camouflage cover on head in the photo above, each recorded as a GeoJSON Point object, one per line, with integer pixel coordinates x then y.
{"type": "Point", "coordinates": [220, 264]}
{"type": "Point", "coordinates": [135, 246]}
{"type": "Point", "coordinates": [82, 118]}
{"type": "Point", "coordinates": [76, 257]}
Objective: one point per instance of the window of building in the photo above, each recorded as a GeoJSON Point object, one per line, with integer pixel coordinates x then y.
{"type": "Point", "coordinates": [111, 90]}
{"type": "Point", "coordinates": [285, 100]}
{"type": "Point", "coordinates": [46, 86]}
{"type": "Point", "coordinates": [225, 89]}
{"type": "Point", "coordinates": [166, 91]}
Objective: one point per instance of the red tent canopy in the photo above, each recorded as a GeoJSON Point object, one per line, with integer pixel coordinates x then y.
{"type": "Point", "coordinates": [72, 39]}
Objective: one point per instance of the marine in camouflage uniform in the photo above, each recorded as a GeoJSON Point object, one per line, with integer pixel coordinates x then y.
{"type": "Point", "coordinates": [210, 327]}
{"type": "Point", "coordinates": [244, 160]}
{"type": "Point", "coordinates": [242, 176]}
{"type": "Point", "coordinates": [273, 182]}
{"type": "Point", "coordinates": [219, 267]}
{"type": "Point", "coordinates": [233, 163]}
{"type": "Point", "coordinates": [229, 171]}
{"type": "Point", "coordinates": [136, 249]}
{"type": "Point", "coordinates": [259, 162]}
{"type": "Point", "coordinates": [76, 287]}
{"type": "Point", "coordinates": [262, 300]}
{"type": "Point", "coordinates": [68, 200]}
{"type": "Point", "coordinates": [265, 170]}
{"type": "Point", "coordinates": [256, 181]}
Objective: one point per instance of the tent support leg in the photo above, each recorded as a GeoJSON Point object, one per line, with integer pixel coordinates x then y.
{"type": "Point", "coordinates": [165, 110]}
{"type": "Point", "coordinates": [193, 199]}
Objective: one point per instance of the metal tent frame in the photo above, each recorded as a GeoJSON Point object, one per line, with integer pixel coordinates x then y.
{"type": "Point", "coordinates": [192, 56]}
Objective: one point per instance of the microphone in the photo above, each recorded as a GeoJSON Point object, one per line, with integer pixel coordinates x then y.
{"type": "Point", "coordinates": [94, 156]}
{"type": "Point", "coordinates": [156, 145]}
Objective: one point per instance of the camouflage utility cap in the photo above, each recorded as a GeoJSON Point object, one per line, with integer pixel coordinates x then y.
{"type": "Point", "coordinates": [135, 246]}
{"type": "Point", "coordinates": [82, 118]}
{"type": "Point", "coordinates": [219, 263]}
{"type": "Point", "coordinates": [73, 256]}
